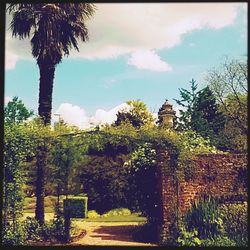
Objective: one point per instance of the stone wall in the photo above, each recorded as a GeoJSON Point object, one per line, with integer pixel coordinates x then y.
{"type": "Point", "coordinates": [223, 176]}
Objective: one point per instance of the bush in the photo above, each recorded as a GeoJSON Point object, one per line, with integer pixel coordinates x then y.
{"type": "Point", "coordinates": [186, 238]}
{"type": "Point", "coordinates": [76, 206]}
{"type": "Point", "coordinates": [235, 222]}
{"type": "Point", "coordinates": [93, 214]}
{"type": "Point", "coordinates": [55, 229]}
{"type": "Point", "coordinates": [58, 229]}
{"type": "Point", "coordinates": [118, 212]}
{"type": "Point", "coordinates": [15, 237]}
{"type": "Point", "coordinates": [205, 218]}
{"type": "Point", "coordinates": [47, 230]}
{"type": "Point", "coordinates": [32, 229]}
{"type": "Point", "coordinates": [219, 241]}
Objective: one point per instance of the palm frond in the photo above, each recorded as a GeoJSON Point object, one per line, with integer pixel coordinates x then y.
{"type": "Point", "coordinates": [57, 27]}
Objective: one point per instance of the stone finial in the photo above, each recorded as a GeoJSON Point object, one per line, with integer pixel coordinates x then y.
{"type": "Point", "coordinates": [166, 114]}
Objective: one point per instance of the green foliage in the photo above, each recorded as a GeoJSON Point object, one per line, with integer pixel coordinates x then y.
{"type": "Point", "coordinates": [138, 115]}
{"type": "Point", "coordinates": [58, 229]}
{"type": "Point", "coordinates": [234, 138]}
{"type": "Point", "coordinates": [31, 19]}
{"type": "Point", "coordinates": [205, 218]}
{"type": "Point", "coordinates": [32, 229]}
{"type": "Point", "coordinates": [218, 241]}
{"type": "Point", "coordinates": [99, 169]}
{"type": "Point", "coordinates": [197, 144]}
{"type": "Point", "coordinates": [209, 224]}
{"type": "Point", "coordinates": [16, 112]}
{"type": "Point", "coordinates": [235, 222]}
{"type": "Point", "coordinates": [206, 119]}
{"type": "Point", "coordinates": [14, 237]}
{"type": "Point", "coordinates": [117, 212]}
{"type": "Point", "coordinates": [187, 102]}
{"type": "Point", "coordinates": [143, 180]}
{"type": "Point", "coordinates": [186, 238]}
{"type": "Point", "coordinates": [18, 146]}
{"type": "Point", "coordinates": [46, 231]}
{"type": "Point", "coordinates": [201, 113]}
{"type": "Point", "coordinates": [93, 214]}
{"type": "Point", "coordinates": [105, 181]}
{"type": "Point", "coordinates": [64, 153]}
{"type": "Point", "coordinates": [229, 84]}
{"type": "Point", "coordinates": [55, 229]}
{"type": "Point", "coordinates": [77, 207]}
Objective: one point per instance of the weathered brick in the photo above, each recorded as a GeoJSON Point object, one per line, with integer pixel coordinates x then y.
{"type": "Point", "coordinates": [216, 174]}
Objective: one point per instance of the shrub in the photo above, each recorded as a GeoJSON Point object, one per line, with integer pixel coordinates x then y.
{"type": "Point", "coordinates": [235, 222]}
{"type": "Point", "coordinates": [58, 229]}
{"type": "Point", "coordinates": [204, 217]}
{"type": "Point", "coordinates": [93, 214]}
{"type": "Point", "coordinates": [55, 229]}
{"type": "Point", "coordinates": [219, 241]}
{"type": "Point", "coordinates": [15, 237]}
{"type": "Point", "coordinates": [186, 238]}
{"type": "Point", "coordinates": [118, 212]}
{"type": "Point", "coordinates": [76, 206]}
{"type": "Point", "coordinates": [46, 231]}
{"type": "Point", "coordinates": [32, 229]}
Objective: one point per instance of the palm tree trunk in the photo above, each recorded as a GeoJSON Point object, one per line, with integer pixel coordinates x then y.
{"type": "Point", "coordinates": [47, 73]}
{"type": "Point", "coordinates": [44, 110]}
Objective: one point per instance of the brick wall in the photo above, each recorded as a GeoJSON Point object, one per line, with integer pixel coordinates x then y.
{"type": "Point", "coordinates": [222, 175]}
{"type": "Point", "coordinates": [216, 174]}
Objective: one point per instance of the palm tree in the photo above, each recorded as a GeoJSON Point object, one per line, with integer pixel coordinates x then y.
{"type": "Point", "coordinates": [55, 29]}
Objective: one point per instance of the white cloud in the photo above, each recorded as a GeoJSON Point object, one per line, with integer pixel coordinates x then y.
{"type": "Point", "coordinates": [7, 99]}
{"type": "Point", "coordinates": [101, 116]}
{"type": "Point", "coordinates": [10, 60]}
{"type": "Point", "coordinates": [124, 28]}
{"type": "Point", "coordinates": [75, 115]}
{"type": "Point", "coordinates": [148, 59]}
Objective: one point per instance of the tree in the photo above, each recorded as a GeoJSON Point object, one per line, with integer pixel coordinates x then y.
{"type": "Point", "coordinates": [202, 113]}
{"type": "Point", "coordinates": [138, 115]}
{"type": "Point", "coordinates": [18, 144]}
{"type": "Point", "coordinates": [229, 85]}
{"type": "Point", "coordinates": [65, 153]}
{"type": "Point", "coordinates": [233, 137]}
{"type": "Point", "coordinates": [55, 28]}
{"type": "Point", "coordinates": [105, 181]}
{"type": "Point", "coordinates": [16, 112]}
{"type": "Point", "coordinates": [206, 118]}
{"type": "Point", "coordinates": [187, 102]}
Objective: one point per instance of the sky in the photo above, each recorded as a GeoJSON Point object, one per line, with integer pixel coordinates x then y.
{"type": "Point", "coordinates": [144, 51]}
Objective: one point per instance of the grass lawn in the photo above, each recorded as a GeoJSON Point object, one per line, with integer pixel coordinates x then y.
{"type": "Point", "coordinates": [117, 218]}
{"type": "Point", "coordinates": [49, 202]}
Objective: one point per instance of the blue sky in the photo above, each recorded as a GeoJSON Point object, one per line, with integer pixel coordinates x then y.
{"type": "Point", "coordinates": [147, 57]}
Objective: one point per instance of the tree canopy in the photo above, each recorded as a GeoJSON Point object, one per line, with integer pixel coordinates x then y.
{"type": "Point", "coordinates": [228, 83]}
{"type": "Point", "coordinates": [16, 112]}
{"type": "Point", "coordinates": [138, 115]}
{"type": "Point", "coordinates": [201, 112]}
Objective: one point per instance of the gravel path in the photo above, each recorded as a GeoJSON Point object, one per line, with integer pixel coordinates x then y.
{"type": "Point", "coordinates": [101, 233]}
{"type": "Point", "coordinates": [108, 234]}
